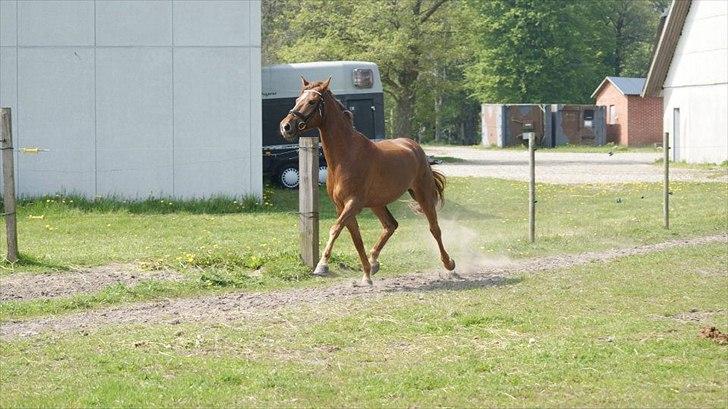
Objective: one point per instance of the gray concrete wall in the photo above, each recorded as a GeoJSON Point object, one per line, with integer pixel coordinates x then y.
{"type": "Point", "coordinates": [134, 98]}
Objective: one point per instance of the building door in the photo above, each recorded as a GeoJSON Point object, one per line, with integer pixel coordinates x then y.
{"type": "Point", "coordinates": [675, 134]}
{"type": "Point", "coordinates": [363, 110]}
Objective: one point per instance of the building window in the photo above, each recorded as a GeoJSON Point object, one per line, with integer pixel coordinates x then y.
{"type": "Point", "coordinates": [612, 120]}
{"type": "Point", "coordinates": [588, 118]}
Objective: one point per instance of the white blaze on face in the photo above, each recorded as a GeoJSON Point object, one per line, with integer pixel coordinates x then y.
{"type": "Point", "coordinates": [305, 92]}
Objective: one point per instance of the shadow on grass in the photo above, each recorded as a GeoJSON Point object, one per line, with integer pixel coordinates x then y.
{"type": "Point", "coordinates": [30, 261]}
{"type": "Point", "coordinates": [466, 283]}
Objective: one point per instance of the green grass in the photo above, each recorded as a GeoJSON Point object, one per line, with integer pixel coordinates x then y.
{"type": "Point", "coordinates": [723, 166]}
{"type": "Point", "coordinates": [599, 335]}
{"type": "Point", "coordinates": [220, 246]}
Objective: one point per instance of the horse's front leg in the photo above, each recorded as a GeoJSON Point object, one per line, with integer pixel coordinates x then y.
{"type": "Point", "coordinates": [353, 227]}
{"type": "Point", "coordinates": [349, 211]}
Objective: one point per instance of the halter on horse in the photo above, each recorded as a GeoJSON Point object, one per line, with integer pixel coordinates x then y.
{"type": "Point", "coordinates": [362, 173]}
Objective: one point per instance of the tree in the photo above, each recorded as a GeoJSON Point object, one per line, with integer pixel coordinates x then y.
{"type": "Point", "coordinates": [630, 29]}
{"type": "Point", "coordinates": [532, 51]}
{"type": "Point", "coordinates": [404, 37]}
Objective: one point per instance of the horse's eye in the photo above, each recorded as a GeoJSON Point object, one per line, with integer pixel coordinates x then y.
{"type": "Point", "coordinates": [311, 102]}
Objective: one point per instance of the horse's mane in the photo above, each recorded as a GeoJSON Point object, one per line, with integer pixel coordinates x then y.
{"type": "Point", "coordinates": [346, 112]}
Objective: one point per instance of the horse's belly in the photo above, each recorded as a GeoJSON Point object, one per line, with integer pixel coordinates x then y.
{"type": "Point", "coordinates": [389, 180]}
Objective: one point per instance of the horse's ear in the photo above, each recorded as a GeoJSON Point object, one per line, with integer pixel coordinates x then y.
{"type": "Point", "coordinates": [325, 84]}
{"type": "Point", "coordinates": [304, 83]}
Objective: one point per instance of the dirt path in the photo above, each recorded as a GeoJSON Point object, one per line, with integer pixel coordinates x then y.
{"type": "Point", "coordinates": [566, 167]}
{"type": "Point", "coordinates": [235, 306]}
{"type": "Point", "coordinates": [20, 287]}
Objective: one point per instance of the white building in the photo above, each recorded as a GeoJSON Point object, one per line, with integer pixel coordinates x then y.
{"type": "Point", "coordinates": [134, 98]}
{"type": "Point", "coordinates": [690, 71]}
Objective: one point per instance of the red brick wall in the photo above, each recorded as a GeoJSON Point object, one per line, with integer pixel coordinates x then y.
{"type": "Point", "coordinates": [609, 95]}
{"type": "Point", "coordinates": [645, 120]}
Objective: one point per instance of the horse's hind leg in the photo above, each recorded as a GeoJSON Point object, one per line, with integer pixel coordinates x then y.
{"type": "Point", "coordinates": [431, 214]}
{"type": "Point", "coordinates": [423, 194]}
{"type": "Point", "coordinates": [390, 225]}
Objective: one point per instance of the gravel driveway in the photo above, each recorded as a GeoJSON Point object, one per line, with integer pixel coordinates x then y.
{"type": "Point", "coordinates": [565, 167]}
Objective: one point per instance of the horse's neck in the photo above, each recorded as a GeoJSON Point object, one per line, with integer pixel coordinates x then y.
{"type": "Point", "coordinates": [338, 139]}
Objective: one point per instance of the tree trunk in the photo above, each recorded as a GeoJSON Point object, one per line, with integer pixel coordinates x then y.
{"type": "Point", "coordinates": [438, 114]}
{"type": "Point", "coordinates": [404, 114]}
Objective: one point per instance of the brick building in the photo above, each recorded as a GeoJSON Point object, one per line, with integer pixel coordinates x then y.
{"type": "Point", "coordinates": [631, 119]}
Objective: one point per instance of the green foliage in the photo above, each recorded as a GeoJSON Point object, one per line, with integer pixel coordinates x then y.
{"type": "Point", "coordinates": [544, 52]}
{"type": "Point", "coordinates": [627, 37]}
{"type": "Point", "coordinates": [533, 51]}
{"type": "Point", "coordinates": [215, 205]}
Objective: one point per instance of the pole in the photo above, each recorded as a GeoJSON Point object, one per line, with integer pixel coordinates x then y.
{"type": "Point", "coordinates": [666, 188]}
{"type": "Point", "coordinates": [308, 199]}
{"type": "Point", "coordinates": [11, 228]}
{"type": "Point", "coordinates": [531, 189]}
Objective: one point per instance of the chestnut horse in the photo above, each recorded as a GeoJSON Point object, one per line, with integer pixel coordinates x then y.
{"type": "Point", "coordinates": [363, 173]}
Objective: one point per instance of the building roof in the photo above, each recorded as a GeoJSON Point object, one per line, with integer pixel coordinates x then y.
{"type": "Point", "coordinates": [666, 47]}
{"type": "Point", "coordinates": [625, 85]}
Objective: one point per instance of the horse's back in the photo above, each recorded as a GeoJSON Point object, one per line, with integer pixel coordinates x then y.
{"type": "Point", "coordinates": [401, 148]}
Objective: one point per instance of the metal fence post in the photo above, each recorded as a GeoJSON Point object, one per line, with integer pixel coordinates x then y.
{"type": "Point", "coordinates": [666, 187]}
{"type": "Point", "coordinates": [11, 228]}
{"type": "Point", "coordinates": [308, 199]}
{"type": "Point", "coordinates": [530, 135]}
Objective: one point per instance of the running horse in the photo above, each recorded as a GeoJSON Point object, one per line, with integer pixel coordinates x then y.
{"type": "Point", "coordinates": [365, 174]}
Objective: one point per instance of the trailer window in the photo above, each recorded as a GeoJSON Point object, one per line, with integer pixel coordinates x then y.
{"type": "Point", "coordinates": [363, 78]}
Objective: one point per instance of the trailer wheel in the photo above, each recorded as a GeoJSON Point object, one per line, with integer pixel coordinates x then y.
{"type": "Point", "coordinates": [287, 176]}
{"type": "Point", "coordinates": [323, 169]}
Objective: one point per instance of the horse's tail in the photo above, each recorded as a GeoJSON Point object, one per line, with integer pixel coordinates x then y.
{"type": "Point", "coordinates": [439, 186]}
{"type": "Point", "coordinates": [439, 180]}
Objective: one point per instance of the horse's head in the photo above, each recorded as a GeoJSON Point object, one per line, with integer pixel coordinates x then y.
{"type": "Point", "coordinates": [308, 112]}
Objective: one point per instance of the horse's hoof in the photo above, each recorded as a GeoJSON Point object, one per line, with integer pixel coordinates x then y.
{"type": "Point", "coordinates": [375, 267]}
{"type": "Point", "coordinates": [450, 265]}
{"type": "Point", "coordinates": [450, 275]}
{"type": "Point", "coordinates": [365, 282]}
{"type": "Point", "coordinates": [322, 270]}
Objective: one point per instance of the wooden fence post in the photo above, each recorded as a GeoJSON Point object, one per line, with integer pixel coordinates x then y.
{"type": "Point", "coordinates": [308, 199]}
{"type": "Point", "coordinates": [9, 184]}
{"type": "Point", "coordinates": [666, 187]}
{"type": "Point", "coordinates": [531, 190]}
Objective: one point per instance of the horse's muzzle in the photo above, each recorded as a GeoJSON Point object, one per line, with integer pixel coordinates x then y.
{"type": "Point", "coordinates": [289, 129]}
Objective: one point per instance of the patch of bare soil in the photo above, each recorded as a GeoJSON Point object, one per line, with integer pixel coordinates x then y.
{"type": "Point", "coordinates": [21, 287]}
{"type": "Point", "coordinates": [237, 306]}
{"type": "Point", "coordinates": [713, 334]}
{"type": "Point", "coordinates": [696, 316]}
